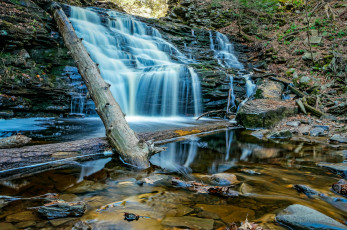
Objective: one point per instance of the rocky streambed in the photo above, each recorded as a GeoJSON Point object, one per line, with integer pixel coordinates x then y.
{"type": "Point", "coordinates": [277, 185]}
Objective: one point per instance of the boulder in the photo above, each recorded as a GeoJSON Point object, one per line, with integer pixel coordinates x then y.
{"type": "Point", "coordinates": [267, 89]}
{"type": "Point", "coordinates": [264, 113]}
{"type": "Point", "coordinates": [297, 216]}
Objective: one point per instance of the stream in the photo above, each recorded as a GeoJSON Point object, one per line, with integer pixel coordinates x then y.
{"type": "Point", "coordinates": [266, 173]}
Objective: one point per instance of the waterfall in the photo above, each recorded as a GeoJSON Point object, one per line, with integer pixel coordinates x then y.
{"type": "Point", "coordinates": [231, 93]}
{"type": "Point", "coordinates": [250, 87]}
{"type": "Point", "coordinates": [148, 75]}
{"type": "Point", "coordinates": [224, 51]}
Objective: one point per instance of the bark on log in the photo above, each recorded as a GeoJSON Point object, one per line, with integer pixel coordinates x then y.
{"type": "Point", "coordinates": [118, 132]}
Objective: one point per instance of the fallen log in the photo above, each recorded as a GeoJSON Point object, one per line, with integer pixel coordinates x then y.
{"type": "Point", "coordinates": [14, 141]}
{"type": "Point", "coordinates": [311, 109]}
{"type": "Point", "coordinates": [37, 154]}
{"type": "Point", "coordinates": [297, 91]}
{"type": "Point", "coordinates": [121, 137]}
{"type": "Point", "coordinates": [209, 112]}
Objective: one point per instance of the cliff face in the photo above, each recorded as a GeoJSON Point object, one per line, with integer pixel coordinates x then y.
{"type": "Point", "coordinates": [34, 80]}
{"type": "Point", "coordinates": [32, 61]}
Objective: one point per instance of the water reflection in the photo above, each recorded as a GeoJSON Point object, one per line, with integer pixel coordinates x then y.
{"type": "Point", "coordinates": [223, 151]}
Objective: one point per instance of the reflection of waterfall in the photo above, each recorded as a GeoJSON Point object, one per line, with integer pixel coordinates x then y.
{"type": "Point", "coordinates": [231, 94]}
{"type": "Point", "coordinates": [90, 167]}
{"type": "Point", "coordinates": [138, 63]}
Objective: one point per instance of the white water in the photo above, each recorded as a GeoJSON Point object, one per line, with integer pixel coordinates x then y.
{"type": "Point", "coordinates": [139, 65]}
{"type": "Point", "coordinates": [231, 93]}
{"type": "Point", "coordinates": [224, 51]}
{"type": "Point", "coordinates": [225, 54]}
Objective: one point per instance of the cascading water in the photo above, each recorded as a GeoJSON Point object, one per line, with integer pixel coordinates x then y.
{"type": "Point", "coordinates": [138, 63]}
{"type": "Point", "coordinates": [224, 53]}
{"type": "Point", "coordinates": [231, 93]}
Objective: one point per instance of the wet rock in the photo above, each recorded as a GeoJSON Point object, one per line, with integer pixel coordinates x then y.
{"type": "Point", "coordinates": [340, 187]}
{"type": "Point", "coordinates": [336, 168]}
{"type": "Point", "coordinates": [14, 141]}
{"type": "Point", "coordinates": [59, 209]}
{"type": "Point", "coordinates": [317, 132]}
{"type": "Point", "coordinates": [189, 222]}
{"type": "Point", "coordinates": [306, 190]}
{"type": "Point", "coordinates": [338, 138]}
{"type": "Point", "coordinates": [267, 89]}
{"type": "Point", "coordinates": [21, 217]}
{"type": "Point", "coordinates": [260, 133]}
{"type": "Point", "coordinates": [282, 134]}
{"type": "Point", "coordinates": [7, 226]}
{"type": "Point", "coordinates": [250, 172]}
{"type": "Point", "coordinates": [25, 224]}
{"type": "Point", "coordinates": [208, 215]}
{"type": "Point", "coordinates": [293, 123]}
{"type": "Point", "coordinates": [301, 217]}
{"type": "Point", "coordinates": [264, 113]}
{"type": "Point", "coordinates": [224, 178]}
{"type": "Point", "coordinates": [325, 127]}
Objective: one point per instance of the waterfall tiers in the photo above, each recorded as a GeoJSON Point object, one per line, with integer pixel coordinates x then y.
{"type": "Point", "coordinates": [139, 64]}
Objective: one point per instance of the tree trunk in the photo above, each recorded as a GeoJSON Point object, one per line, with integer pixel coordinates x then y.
{"type": "Point", "coordinates": [118, 132]}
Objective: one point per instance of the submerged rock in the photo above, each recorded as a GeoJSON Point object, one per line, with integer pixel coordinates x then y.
{"type": "Point", "coordinates": [264, 113]}
{"type": "Point", "coordinates": [7, 226]}
{"type": "Point", "coordinates": [21, 217]}
{"type": "Point", "coordinates": [224, 178]}
{"type": "Point", "coordinates": [283, 134]}
{"type": "Point", "coordinates": [306, 190]}
{"type": "Point", "coordinates": [189, 222]}
{"type": "Point", "coordinates": [337, 168]}
{"type": "Point", "coordinates": [297, 216]}
{"type": "Point", "coordinates": [56, 210]}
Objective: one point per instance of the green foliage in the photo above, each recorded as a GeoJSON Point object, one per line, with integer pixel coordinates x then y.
{"type": "Point", "coordinates": [216, 3]}
{"type": "Point", "coordinates": [269, 6]}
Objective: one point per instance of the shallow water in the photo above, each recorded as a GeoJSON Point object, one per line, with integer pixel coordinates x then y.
{"type": "Point", "coordinates": [43, 130]}
{"type": "Point", "coordinates": [104, 181]}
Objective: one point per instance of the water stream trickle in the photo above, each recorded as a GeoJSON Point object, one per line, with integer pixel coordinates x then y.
{"type": "Point", "coordinates": [148, 75]}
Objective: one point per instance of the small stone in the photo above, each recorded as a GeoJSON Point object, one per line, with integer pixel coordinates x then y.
{"type": "Point", "coordinates": [293, 123]}
{"type": "Point", "coordinates": [307, 56]}
{"type": "Point", "coordinates": [316, 132]}
{"type": "Point", "coordinates": [325, 127]}
{"type": "Point", "coordinates": [305, 79]}
{"type": "Point", "coordinates": [304, 130]}
{"type": "Point", "coordinates": [283, 134]}
{"type": "Point", "coordinates": [338, 138]}
{"type": "Point", "coordinates": [297, 216]}
{"type": "Point", "coordinates": [189, 222]}
{"type": "Point", "coordinates": [249, 171]}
